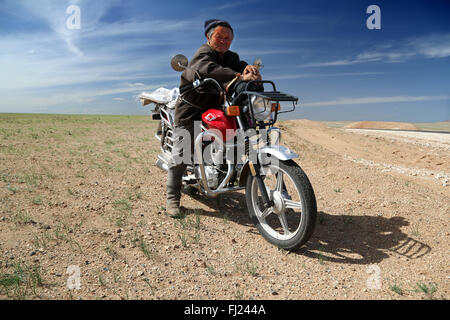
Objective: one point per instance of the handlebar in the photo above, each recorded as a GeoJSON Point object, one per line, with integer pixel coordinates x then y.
{"type": "Point", "coordinates": [186, 88]}
{"type": "Point", "coordinates": [199, 83]}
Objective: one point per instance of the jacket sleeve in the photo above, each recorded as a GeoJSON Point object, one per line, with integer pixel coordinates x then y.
{"type": "Point", "coordinates": [207, 67]}
{"type": "Point", "coordinates": [238, 64]}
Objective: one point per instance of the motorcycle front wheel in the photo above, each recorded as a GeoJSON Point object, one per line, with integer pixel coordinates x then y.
{"type": "Point", "coordinates": [290, 222]}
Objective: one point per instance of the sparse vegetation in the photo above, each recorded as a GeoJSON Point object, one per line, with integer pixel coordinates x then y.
{"type": "Point", "coordinates": [123, 208]}
{"type": "Point", "coordinates": [37, 200]}
{"type": "Point", "coordinates": [396, 288]}
{"type": "Point", "coordinates": [84, 191]}
{"type": "Point", "coordinates": [111, 252]}
{"type": "Point", "coordinates": [21, 217]}
{"type": "Point", "coordinates": [428, 289]}
{"type": "Point", "coordinates": [21, 282]}
{"type": "Point", "coordinates": [143, 245]}
{"type": "Point", "coordinates": [190, 223]}
{"type": "Point", "coordinates": [251, 268]}
{"type": "Point", "coordinates": [321, 258]}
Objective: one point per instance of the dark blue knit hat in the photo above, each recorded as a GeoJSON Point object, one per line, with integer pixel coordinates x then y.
{"type": "Point", "coordinates": [214, 23]}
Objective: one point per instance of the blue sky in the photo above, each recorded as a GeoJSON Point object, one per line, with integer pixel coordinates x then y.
{"type": "Point", "coordinates": [320, 51]}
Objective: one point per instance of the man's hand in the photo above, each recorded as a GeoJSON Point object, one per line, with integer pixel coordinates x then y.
{"type": "Point", "coordinates": [251, 73]}
{"type": "Point", "coordinates": [251, 69]}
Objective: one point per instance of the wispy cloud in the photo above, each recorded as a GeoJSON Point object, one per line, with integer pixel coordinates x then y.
{"type": "Point", "coordinates": [432, 47]}
{"type": "Point", "coordinates": [331, 63]}
{"type": "Point", "coordinates": [56, 67]}
{"type": "Point", "coordinates": [235, 4]}
{"type": "Point", "coordinates": [264, 52]}
{"type": "Point", "coordinates": [135, 28]}
{"type": "Point", "coordinates": [66, 100]}
{"type": "Point", "coordinates": [54, 15]}
{"type": "Point", "coordinates": [374, 100]}
{"type": "Point", "coordinates": [318, 75]}
{"type": "Point", "coordinates": [384, 57]}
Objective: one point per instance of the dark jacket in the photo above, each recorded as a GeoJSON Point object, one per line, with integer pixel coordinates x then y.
{"type": "Point", "coordinates": [209, 65]}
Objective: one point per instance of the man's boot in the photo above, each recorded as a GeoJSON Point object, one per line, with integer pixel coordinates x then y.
{"type": "Point", "coordinates": [174, 184]}
{"type": "Point", "coordinates": [175, 211]}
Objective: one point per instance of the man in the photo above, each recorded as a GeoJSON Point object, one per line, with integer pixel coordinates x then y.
{"type": "Point", "coordinates": [212, 60]}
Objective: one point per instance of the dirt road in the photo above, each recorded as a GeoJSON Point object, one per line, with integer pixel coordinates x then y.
{"type": "Point", "coordinates": [83, 204]}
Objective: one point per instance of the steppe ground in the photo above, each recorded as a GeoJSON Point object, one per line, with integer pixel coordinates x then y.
{"type": "Point", "coordinates": [82, 217]}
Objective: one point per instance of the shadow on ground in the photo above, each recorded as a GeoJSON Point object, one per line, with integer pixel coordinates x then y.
{"type": "Point", "coordinates": [339, 238]}
{"type": "Point", "coordinates": [361, 239]}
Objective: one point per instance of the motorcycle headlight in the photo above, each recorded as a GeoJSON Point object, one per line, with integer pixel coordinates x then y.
{"type": "Point", "coordinates": [261, 108]}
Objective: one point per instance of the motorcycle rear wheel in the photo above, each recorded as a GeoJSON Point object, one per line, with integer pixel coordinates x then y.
{"type": "Point", "coordinates": [291, 221]}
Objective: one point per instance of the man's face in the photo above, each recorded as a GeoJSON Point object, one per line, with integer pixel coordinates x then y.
{"type": "Point", "coordinates": [220, 40]}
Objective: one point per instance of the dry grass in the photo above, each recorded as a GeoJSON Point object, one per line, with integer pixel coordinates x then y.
{"type": "Point", "coordinates": [83, 191]}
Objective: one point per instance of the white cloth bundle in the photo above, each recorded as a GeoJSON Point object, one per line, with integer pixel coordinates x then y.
{"type": "Point", "coordinates": [160, 96]}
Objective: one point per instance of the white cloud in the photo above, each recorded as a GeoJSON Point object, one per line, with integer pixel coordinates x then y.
{"type": "Point", "coordinates": [62, 57]}
{"type": "Point", "coordinates": [256, 52]}
{"type": "Point", "coordinates": [433, 47]}
{"type": "Point", "coordinates": [437, 52]}
{"type": "Point", "coordinates": [317, 75]}
{"type": "Point", "coordinates": [137, 28]}
{"type": "Point", "coordinates": [53, 14]}
{"type": "Point", "coordinates": [371, 100]}
{"type": "Point", "coordinates": [385, 57]}
{"type": "Point", "coordinates": [232, 5]}
{"type": "Point", "coordinates": [137, 84]}
{"type": "Point", "coordinates": [330, 63]}
{"type": "Point", "coordinates": [30, 102]}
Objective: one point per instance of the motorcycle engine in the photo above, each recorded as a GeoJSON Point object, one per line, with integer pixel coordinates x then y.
{"type": "Point", "coordinates": [212, 176]}
{"type": "Point", "coordinates": [214, 161]}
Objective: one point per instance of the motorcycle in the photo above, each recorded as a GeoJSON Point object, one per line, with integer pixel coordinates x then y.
{"type": "Point", "coordinates": [238, 149]}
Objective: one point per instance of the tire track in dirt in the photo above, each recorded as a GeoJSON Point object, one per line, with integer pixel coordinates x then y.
{"type": "Point", "coordinates": [431, 164]}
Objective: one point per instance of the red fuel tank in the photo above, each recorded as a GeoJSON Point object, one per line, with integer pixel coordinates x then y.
{"type": "Point", "coordinates": [216, 119]}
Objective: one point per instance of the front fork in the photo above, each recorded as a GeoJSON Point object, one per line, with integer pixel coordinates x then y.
{"type": "Point", "coordinates": [275, 150]}
{"type": "Point", "coordinates": [255, 171]}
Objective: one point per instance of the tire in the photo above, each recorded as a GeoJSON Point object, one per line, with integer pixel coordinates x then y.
{"type": "Point", "coordinates": [291, 221]}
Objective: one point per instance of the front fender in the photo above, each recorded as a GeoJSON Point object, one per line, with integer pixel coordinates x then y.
{"type": "Point", "coordinates": [280, 152]}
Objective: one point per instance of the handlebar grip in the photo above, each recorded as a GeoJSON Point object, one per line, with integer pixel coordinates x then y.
{"type": "Point", "coordinates": [187, 87]}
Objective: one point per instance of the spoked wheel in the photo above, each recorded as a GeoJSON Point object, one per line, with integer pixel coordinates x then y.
{"type": "Point", "coordinates": [290, 222]}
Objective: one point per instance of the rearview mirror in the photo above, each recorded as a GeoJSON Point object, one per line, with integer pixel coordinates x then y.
{"type": "Point", "coordinates": [179, 62]}
{"type": "Point", "coordinates": [258, 63]}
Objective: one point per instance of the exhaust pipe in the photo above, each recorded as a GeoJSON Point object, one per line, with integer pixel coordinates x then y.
{"type": "Point", "coordinates": [162, 163]}
{"type": "Point", "coordinates": [163, 166]}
